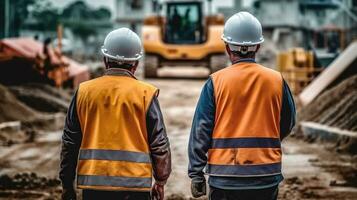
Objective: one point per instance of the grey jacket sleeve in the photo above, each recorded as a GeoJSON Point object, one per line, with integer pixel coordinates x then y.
{"type": "Point", "coordinates": [288, 112]}
{"type": "Point", "coordinates": [159, 143]}
{"type": "Point", "coordinates": [71, 142]}
{"type": "Point", "coordinates": [201, 132]}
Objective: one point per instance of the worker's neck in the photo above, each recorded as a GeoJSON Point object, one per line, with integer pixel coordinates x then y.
{"type": "Point", "coordinates": [131, 70]}
{"type": "Point", "coordinates": [236, 59]}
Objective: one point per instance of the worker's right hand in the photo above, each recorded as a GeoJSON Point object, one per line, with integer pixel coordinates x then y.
{"type": "Point", "coordinates": [157, 192]}
{"type": "Point", "coordinates": [69, 194]}
{"type": "Point", "coordinates": [198, 187]}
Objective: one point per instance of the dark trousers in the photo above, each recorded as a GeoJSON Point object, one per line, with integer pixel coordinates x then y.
{"type": "Point", "coordinates": [258, 194]}
{"type": "Point", "coordinates": [114, 195]}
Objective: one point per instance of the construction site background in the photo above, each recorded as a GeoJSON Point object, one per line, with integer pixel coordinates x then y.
{"type": "Point", "coordinates": [48, 48]}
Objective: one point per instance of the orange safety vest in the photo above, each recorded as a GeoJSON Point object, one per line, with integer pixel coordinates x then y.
{"type": "Point", "coordinates": [114, 154]}
{"type": "Point", "coordinates": [246, 136]}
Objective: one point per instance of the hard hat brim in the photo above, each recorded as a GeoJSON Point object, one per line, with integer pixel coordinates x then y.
{"type": "Point", "coordinates": [244, 43]}
{"type": "Point", "coordinates": [121, 58]}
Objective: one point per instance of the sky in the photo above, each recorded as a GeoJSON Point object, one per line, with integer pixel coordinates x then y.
{"type": "Point", "coordinates": [111, 3]}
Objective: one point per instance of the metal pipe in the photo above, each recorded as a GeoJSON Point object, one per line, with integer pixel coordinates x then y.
{"type": "Point", "coordinates": [7, 18]}
{"type": "Point", "coordinates": [210, 7]}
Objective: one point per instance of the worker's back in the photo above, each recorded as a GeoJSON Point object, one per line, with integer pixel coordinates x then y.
{"type": "Point", "coordinates": [112, 115]}
{"type": "Point", "coordinates": [243, 113]}
{"type": "Point", "coordinates": [246, 134]}
{"type": "Point", "coordinates": [114, 139]}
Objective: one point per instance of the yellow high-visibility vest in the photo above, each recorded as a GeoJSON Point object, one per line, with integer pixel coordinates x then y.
{"type": "Point", "coordinates": [114, 153]}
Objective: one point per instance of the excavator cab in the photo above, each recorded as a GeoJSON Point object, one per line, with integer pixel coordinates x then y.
{"type": "Point", "coordinates": [180, 34]}
{"type": "Point", "coordinates": [184, 23]}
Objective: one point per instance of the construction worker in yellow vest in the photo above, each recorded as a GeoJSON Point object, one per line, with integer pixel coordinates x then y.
{"type": "Point", "coordinates": [114, 140]}
{"type": "Point", "coordinates": [244, 112]}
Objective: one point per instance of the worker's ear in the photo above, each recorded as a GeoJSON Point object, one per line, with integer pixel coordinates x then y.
{"type": "Point", "coordinates": [228, 51]}
{"type": "Point", "coordinates": [105, 62]}
{"type": "Point", "coordinates": [135, 66]}
{"type": "Point", "coordinates": [258, 47]}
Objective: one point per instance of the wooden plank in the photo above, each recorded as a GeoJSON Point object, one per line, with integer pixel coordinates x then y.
{"type": "Point", "coordinates": [320, 128]}
{"type": "Point", "coordinates": [12, 125]}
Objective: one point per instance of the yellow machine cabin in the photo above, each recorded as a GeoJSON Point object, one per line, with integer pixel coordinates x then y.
{"type": "Point", "coordinates": [181, 35]}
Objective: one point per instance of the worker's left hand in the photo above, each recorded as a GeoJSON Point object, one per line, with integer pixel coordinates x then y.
{"type": "Point", "coordinates": [198, 187]}
{"type": "Point", "coordinates": [157, 192]}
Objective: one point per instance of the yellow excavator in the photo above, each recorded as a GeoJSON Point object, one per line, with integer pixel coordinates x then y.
{"type": "Point", "coordinates": [180, 34]}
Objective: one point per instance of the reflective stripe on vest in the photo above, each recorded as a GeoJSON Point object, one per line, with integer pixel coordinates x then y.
{"type": "Point", "coordinates": [246, 136]}
{"type": "Point", "coordinates": [244, 157]}
{"type": "Point", "coordinates": [246, 143]}
{"type": "Point", "coordinates": [114, 181]}
{"type": "Point", "coordinates": [115, 153]}
{"type": "Point", "coordinates": [244, 170]}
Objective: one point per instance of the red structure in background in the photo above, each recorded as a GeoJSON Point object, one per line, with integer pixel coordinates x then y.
{"type": "Point", "coordinates": [27, 60]}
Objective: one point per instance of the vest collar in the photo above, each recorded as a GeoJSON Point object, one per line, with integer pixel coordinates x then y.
{"type": "Point", "coordinates": [249, 60]}
{"type": "Point", "coordinates": [119, 72]}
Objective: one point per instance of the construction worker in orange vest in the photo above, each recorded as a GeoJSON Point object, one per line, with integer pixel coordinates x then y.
{"type": "Point", "coordinates": [114, 139]}
{"type": "Point", "coordinates": [244, 112]}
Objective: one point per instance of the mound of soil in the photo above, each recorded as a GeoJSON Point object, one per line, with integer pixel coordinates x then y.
{"type": "Point", "coordinates": [41, 97]}
{"type": "Point", "coordinates": [24, 113]}
{"type": "Point", "coordinates": [336, 107]}
{"type": "Point", "coordinates": [11, 109]}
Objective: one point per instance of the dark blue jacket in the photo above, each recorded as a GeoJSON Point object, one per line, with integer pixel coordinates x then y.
{"type": "Point", "coordinates": [201, 137]}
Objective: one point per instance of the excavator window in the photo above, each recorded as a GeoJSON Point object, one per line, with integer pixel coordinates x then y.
{"type": "Point", "coordinates": [135, 4]}
{"type": "Point", "coordinates": [184, 23]}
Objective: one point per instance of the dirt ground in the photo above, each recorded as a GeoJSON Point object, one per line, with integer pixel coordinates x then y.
{"type": "Point", "coordinates": [311, 171]}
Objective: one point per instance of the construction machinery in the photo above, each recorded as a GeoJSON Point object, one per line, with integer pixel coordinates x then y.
{"type": "Point", "coordinates": [298, 68]}
{"type": "Point", "coordinates": [180, 34]}
{"type": "Point", "coordinates": [25, 60]}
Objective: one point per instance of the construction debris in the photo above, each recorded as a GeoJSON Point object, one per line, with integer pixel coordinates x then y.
{"type": "Point", "coordinates": [26, 60]}
{"type": "Point", "coordinates": [13, 133]}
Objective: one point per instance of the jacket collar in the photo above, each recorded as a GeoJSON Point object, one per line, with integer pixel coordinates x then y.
{"type": "Point", "coordinates": [249, 60]}
{"type": "Point", "coordinates": [119, 72]}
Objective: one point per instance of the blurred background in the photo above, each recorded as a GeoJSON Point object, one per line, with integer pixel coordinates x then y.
{"type": "Point", "coordinates": [48, 47]}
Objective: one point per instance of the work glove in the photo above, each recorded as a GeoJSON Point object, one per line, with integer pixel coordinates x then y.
{"type": "Point", "coordinates": [157, 192]}
{"type": "Point", "coordinates": [69, 194]}
{"type": "Point", "coordinates": [198, 187]}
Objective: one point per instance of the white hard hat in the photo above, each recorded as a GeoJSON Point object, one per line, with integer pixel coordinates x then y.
{"type": "Point", "coordinates": [242, 29]}
{"type": "Point", "coordinates": [122, 45]}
